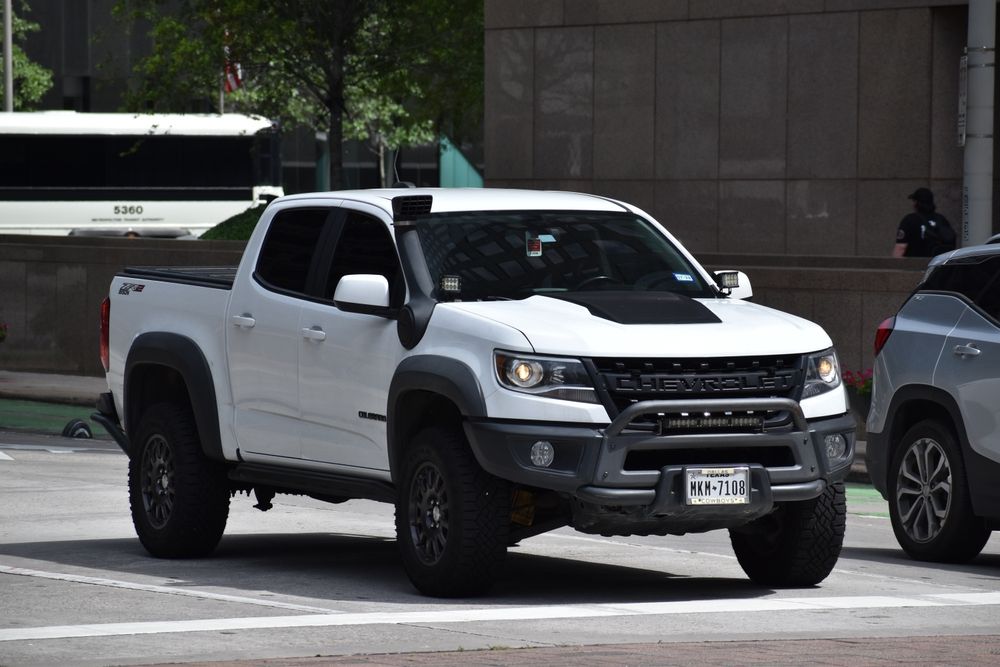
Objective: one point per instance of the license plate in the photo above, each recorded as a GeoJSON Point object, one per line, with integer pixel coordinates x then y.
{"type": "Point", "coordinates": [717, 486]}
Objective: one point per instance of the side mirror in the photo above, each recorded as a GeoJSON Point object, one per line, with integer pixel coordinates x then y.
{"type": "Point", "coordinates": [734, 284]}
{"type": "Point", "coordinates": [364, 293]}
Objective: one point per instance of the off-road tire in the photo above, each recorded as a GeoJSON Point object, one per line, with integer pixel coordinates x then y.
{"type": "Point", "coordinates": [452, 517]}
{"type": "Point", "coordinates": [796, 545]}
{"type": "Point", "coordinates": [929, 502]}
{"type": "Point", "coordinates": [179, 498]}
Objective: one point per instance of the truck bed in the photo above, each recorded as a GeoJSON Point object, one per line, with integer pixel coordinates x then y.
{"type": "Point", "coordinates": [216, 277]}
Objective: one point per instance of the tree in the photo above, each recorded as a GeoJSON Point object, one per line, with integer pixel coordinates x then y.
{"type": "Point", "coordinates": [388, 72]}
{"type": "Point", "coordinates": [31, 80]}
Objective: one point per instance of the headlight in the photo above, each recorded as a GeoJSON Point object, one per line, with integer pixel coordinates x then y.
{"type": "Point", "coordinates": [552, 377]}
{"type": "Point", "coordinates": [822, 373]}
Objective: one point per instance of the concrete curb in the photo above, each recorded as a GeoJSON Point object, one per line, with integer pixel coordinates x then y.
{"type": "Point", "coordinates": [69, 389]}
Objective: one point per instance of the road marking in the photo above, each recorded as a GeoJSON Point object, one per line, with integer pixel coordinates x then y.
{"type": "Point", "coordinates": [99, 446]}
{"type": "Point", "coordinates": [544, 612]}
{"type": "Point", "coordinates": [152, 588]}
{"type": "Point", "coordinates": [621, 543]}
{"type": "Point", "coordinates": [4, 457]}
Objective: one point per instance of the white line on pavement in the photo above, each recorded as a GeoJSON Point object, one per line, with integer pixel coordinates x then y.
{"type": "Point", "coordinates": [151, 588]}
{"type": "Point", "coordinates": [4, 457]}
{"type": "Point", "coordinates": [503, 614]}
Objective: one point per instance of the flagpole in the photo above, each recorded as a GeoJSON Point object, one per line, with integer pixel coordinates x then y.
{"type": "Point", "coordinates": [8, 57]}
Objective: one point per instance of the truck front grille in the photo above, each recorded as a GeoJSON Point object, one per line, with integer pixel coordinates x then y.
{"type": "Point", "coordinates": [625, 381]}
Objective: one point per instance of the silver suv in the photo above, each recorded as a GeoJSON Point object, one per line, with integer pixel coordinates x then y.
{"type": "Point", "coordinates": [934, 426]}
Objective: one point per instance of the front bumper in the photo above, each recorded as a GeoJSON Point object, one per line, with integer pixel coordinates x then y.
{"type": "Point", "coordinates": [629, 477]}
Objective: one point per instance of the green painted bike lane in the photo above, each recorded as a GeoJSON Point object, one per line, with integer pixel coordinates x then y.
{"type": "Point", "coordinates": [43, 417]}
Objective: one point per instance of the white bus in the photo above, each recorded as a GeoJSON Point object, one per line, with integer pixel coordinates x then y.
{"type": "Point", "coordinates": [63, 171]}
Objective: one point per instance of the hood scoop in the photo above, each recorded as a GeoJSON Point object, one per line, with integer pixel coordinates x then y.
{"type": "Point", "coordinates": [640, 307]}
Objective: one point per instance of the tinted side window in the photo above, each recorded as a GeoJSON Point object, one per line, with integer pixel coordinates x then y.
{"type": "Point", "coordinates": [288, 249]}
{"type": "Point", "coordinates": [979, 282]}
{"type": "Point", "coordinates": [961, 278]}
{"type": "Point", "coordinates": [365, 246]}
{"type": "Point", "coordinates": [989, 298]}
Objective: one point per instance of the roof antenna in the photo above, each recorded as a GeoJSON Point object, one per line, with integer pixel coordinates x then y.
{"type": "Point", "coordinates": [395, 172]}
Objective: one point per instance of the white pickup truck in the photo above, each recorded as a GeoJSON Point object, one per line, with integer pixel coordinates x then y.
{"type": "Point", "coordinates": [497, 364]}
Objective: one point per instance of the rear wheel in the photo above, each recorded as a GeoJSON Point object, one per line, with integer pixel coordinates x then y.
{"type": "Point", "coordinates": [452, 517]}
{"type": "Point", "coordinates": [179, 498]}
{"type": "Point", "coordinates": [929, 501]}
{"type": "Point", "coordinates": [796, 545]}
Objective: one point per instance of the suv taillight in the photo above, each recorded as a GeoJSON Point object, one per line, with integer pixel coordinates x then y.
{"type": "Point", "coordinates": [105, 323]}
{"type": "Point", "coordinates": [882, 333]}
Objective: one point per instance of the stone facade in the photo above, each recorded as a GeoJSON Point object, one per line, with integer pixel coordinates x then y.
{"type": "Point", "coordinates": [760, 126]}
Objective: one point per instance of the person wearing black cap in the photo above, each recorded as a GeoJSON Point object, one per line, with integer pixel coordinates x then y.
{"type": "Point", "coordinates": [923, 233]}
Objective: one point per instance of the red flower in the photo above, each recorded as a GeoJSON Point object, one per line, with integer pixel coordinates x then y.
{"type": "Point", "coordinates": [861, 381]}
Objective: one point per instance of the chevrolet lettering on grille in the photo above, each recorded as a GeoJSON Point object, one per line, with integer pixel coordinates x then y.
{"type": "Point", "coordinates": [700, 384]}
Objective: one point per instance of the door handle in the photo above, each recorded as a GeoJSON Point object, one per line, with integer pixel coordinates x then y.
{"type": "Point", "coordinates": [244, 321]}
{"type": "Point", "coordinates": [966, 350]}
{"type": "Point", "coordinates": [314, 333]}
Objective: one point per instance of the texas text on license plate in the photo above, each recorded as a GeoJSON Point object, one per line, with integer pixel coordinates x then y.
{"type": "Point", "coordinates": [717, 486]}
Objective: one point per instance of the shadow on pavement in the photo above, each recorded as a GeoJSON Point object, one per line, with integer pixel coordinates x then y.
{"type": "Point", "coordinates": [982, 564]}
{"type": "Point", "coordinates": [349, 567]}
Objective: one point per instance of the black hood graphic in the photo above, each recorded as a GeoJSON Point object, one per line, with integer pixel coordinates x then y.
{"type": "Point", "coordinates": [640, 307]}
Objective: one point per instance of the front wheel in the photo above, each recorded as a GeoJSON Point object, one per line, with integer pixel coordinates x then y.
{"type": "Point", "coordinates": [798, 544]}
{"type": "Point", "coordinates": [179, 498]}
{"type": "Point", "coordinates": [929, 501]}
{"type": "Point", "coordinates": [452, 517]}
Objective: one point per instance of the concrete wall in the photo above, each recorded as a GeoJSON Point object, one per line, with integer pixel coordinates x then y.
{"type": "Point", "coordinates": [760, 126]}
{"type": "Point", "coordinates": [51, 289]}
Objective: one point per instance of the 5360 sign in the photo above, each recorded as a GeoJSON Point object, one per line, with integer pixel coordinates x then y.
{"type": "Point", "coordinates": [128, 210]}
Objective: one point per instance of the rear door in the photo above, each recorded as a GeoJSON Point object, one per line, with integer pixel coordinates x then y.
{"type": "Point", "coordinates": [264, 337]}
{"type": "Point", "coordinates": [970, 361]}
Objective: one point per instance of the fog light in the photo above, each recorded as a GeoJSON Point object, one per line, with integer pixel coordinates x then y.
{"type": "Point", "coordinates": [542, 454]}
{"type": "Point", "coordinates": [836, 446]}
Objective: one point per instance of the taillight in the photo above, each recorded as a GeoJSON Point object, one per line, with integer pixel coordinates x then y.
{"type": "Point", "coordinates": [105, 333]}
{"type": "Point", "coordinates": [882, 333]}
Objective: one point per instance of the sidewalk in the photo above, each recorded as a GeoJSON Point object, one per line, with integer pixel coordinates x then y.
{"type": "Point", "coordinates": [83, 391]}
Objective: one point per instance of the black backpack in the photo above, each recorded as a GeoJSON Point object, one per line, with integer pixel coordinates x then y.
{"type": "Point", "coordinates": [938, 234]}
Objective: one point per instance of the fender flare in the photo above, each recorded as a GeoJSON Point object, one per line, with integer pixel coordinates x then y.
{"type": "Point", "coordinates": [181, 354]}
{"type": "Point", "coordinates": [444, 376]}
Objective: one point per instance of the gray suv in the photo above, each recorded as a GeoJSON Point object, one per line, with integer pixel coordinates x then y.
{"type": "Point", "coordinates": [934, 425]}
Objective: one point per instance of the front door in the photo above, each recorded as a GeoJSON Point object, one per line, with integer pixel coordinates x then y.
{"type": "Point", "coordinates": [346, 360]}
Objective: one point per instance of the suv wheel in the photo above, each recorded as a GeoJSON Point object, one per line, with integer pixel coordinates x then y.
{"type": "Point", "coordinates": [452, 517]}
{"type": "Point", "coordinates": [179, 498]}
{"type": "Point", "coordinates": [797, 545]}
{"type": "Point", "coordinates": [929, 500]}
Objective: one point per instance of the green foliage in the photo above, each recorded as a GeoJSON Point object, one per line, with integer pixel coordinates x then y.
{"type": "Point", "coordinates": [31, 80]}
{"type": "Point", "coordinates": [390, 72]}
{"type": "Point", "coordinates": [237, 228]}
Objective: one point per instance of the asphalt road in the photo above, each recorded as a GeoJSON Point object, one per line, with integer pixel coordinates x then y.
{"type": "Point", "coordinates": [311, 579]}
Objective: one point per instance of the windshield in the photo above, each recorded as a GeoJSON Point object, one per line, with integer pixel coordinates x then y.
{"type": "Point", "coordinates": [513, 255]}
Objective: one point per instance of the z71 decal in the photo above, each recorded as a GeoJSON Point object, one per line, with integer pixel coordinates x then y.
{"type": "Point", "coordinates": [128, 288]}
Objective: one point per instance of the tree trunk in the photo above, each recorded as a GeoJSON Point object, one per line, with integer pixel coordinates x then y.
{"type": "Point", "coordinates": [335, 141]}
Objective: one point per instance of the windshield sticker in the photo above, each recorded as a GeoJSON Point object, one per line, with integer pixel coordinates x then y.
{"type": "Point", "coordinates": [684, 277]}
{"type": "Point", "coordinates": [533, 244]}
